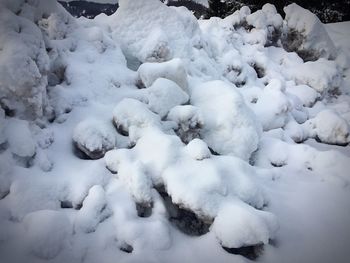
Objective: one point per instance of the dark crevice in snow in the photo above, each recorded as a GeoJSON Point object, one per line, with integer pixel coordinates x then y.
{"type": "Point", "coordinates": [183, 219]}
{"type": "Point", "coordinates": [126, 248]}
{"type": "Point", "coordinates": [26, 161]}
{"type": "Point", "coordinates": [213, 152]}
{"type": "Point", "coordinates": [250, 252]}
{"type": "Point", "coordinates": [4, 194]}
{"type": "Point", "coordinates": [66, 204]}
{"type": "Point", "coordinates": [7, 109]}
{"type": "Point", "coordinates": [144, 209]}
{"type": "Point", "coordinates": [3, 147]}
{"type": "Point", "coordinates": [338, 144]}
{"type": "Point", "coordinates": [278, 164]}
{"type": "Point", "coordinates": [260, 71]}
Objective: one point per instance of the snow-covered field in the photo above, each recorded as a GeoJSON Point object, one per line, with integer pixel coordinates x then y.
{"type": "Point", "coordinates": [150, 136]}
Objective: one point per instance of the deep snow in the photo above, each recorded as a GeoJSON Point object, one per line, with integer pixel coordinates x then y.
{"type": "Point", "coordinates": [149, 136]}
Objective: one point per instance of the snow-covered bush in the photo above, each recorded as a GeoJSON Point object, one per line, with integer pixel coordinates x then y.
{"type": "Point", "coordinates": [230, 126]}
{"type": "Point", "coordinates": [163, 95]}
{"type": "Point", "coordinates": [306, 34]}
{"type": "Point", "coordinates": [94, 138]}
{"type": "Point", "coordinates": [173, 70]}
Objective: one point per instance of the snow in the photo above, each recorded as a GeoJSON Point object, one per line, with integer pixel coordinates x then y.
{"type": "Point", "coordinates": [315, 38]}
{"type": "Point", "coordinates": [173, 70]}
{"type": "Point", "coordinates": [46, 232]}
{"type": "Point", "coordinates": [168, 93]}
{"type": "Point", "coordinates": [217, 136]}
{"type": "Point", "coordinates": [168, 35]}
{"type": "Point", "coordinates": [229, 125]}
{"type": "Point", "coordinates": [236, 225]}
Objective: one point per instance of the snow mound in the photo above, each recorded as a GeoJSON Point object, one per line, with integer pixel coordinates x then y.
{"type": "Point", "coordinates": [93, 212]}
{"type": "Point", "coordinates": [173, 70]}
{"type": "Point", "coordinates": [94, 138]}
{"type": "Point", "coordinates": [307, 35]}
{"type": "Point", "coordinates": [20, 138]}
{"type": "Point", "coordinates": [273, 106]}
{"type": "Point", "coordinates": [46, 233]}
{"type": "Point", "coordinates": [171, 33]}
{"type": "Point", "coordinates": [197, 149]}
{"type": "Point", "coordinates": [163, 95]}
{"type": "Point", "coordinates": [230, 126]}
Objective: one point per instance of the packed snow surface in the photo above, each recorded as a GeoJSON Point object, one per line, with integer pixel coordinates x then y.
{"type": "Point", "coordinates": [151, 136]}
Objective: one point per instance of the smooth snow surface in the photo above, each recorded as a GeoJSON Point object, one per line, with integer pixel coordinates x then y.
{"type": "Point", "coordinates": [150, 136]}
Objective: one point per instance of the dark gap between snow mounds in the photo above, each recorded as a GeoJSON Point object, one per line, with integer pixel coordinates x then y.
{"type": "Point", "coordinates": [183, 219]}
{"type": "Point", "coordinates": [250, 252]}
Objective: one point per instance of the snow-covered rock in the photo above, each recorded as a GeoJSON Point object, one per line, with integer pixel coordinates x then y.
{"type": "Point", "coordinates": [197, 149]}
{"type": "Point", "coordinates": [189, 121]}
{"type": "Point", "coordinates": [329, 127]}
{"type": "Point", "coordinates": [163, 95]}
{"type": "Point", "coordinates": [238, 225]}
{"type": "Point", "coordinates": [94, 138]}
{"type": "Point", "coordinates": [230, 126]}
{"type": "Point", "coordinates": [133, 113]}
{"type": "Point", "coordinates": [173, 70]}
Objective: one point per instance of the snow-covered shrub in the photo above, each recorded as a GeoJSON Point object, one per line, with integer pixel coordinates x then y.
{"type": "Point", "coordinates": [133, 113]}
{"type": "Point", "coordinates": [173, 70]}
{"type": "Point", "coordinates": [46, 233]}
{"type": "Point", "coordinates": [170, 33]}
{"type": "Point", "coordinates": [189, 122]}
{"type": "Point", "coordinates": [230, 126]}
{"type": "Point", "coordinates": [163, 95]}
{"type": "Point", "coordinates": [269, 20]}
{"type": "Point", "coordinates": [329, 127]}
{"type": "Point", "coordinates": [94, 138]}
{"type": "Point", "coordinates": [306, 34]}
